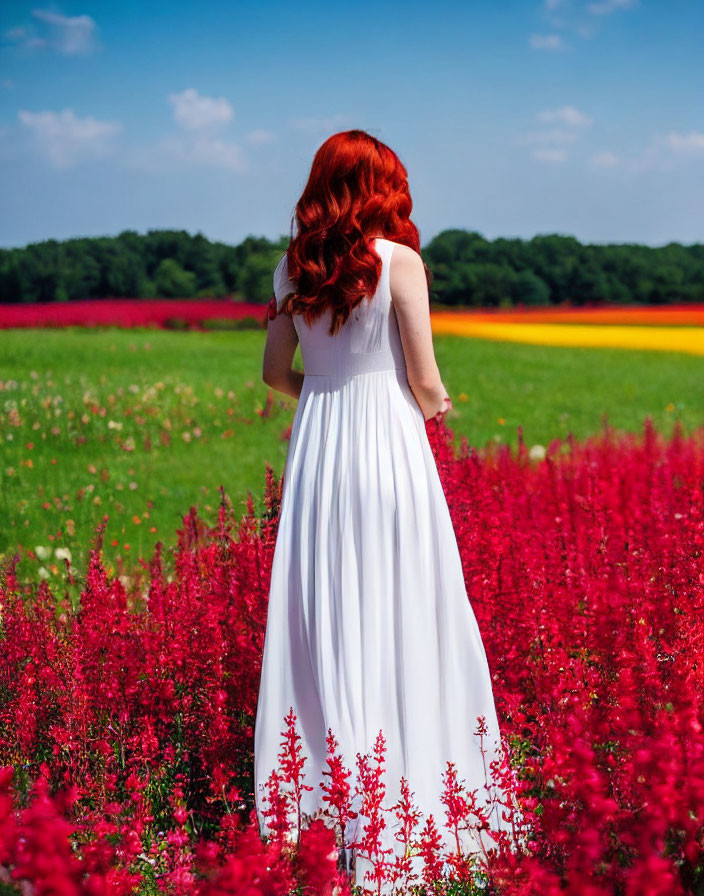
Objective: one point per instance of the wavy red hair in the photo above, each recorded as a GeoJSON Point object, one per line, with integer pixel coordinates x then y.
{"type": "Point", "coordinates": [357, 190]}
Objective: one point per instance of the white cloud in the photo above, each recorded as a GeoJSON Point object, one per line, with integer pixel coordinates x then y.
{"type": "Point", "coordinates": [605, 159]}
{"type": "Point", "coordinates": [260, 136]}
{"type": "Point", "coordinates": [667, 152]}
{"type": "Point", "coordinates": [71, 35]}
{"type": "Point", "coordinates": [555, 139]}
{"type": "Point", "coordinates": [68, 35]}
{"type": "Point", "coordinates": [66, 138]}
{"type": "Point", "coordinates": [195, 112]}
{"type": "Point", "coordinates": [686, 143]}
{"type": "Point", "coordinates": [198, 144]}
{"type": "Point", "coordinates": [218, 153]}
{"type": "Point", "coordinates": [568, 115]}
{"type": "Point", "coordinates": [581, 17]}
{"type": "Point", "coordinates": [179, 151]}
{"type": "Point", "coordinates": [17, 34]}
{"type": "Point", "coordinates": [550, 154]}
{"type": "Point", "coordinates": [606, 7]}
{"type": "Point", "coordinates": [547, 42]}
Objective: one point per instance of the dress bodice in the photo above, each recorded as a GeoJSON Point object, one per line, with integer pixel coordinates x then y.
{"type": "Point", "coordinates": [368, 341]}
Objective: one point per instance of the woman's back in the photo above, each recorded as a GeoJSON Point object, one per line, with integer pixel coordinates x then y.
{"type": "Point", "coordinates": [368, 341]}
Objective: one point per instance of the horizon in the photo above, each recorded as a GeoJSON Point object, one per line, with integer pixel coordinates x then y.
{"type": "Point", "coordinates": [287, 236]}
{"type": "Point", "coordinates": [567, 118]}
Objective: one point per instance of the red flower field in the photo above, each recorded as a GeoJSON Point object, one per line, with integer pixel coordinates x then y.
{"type": "Point", "coordinates": [156, 312]}
{"type": "Point", "coordinates": [126, 312]}
{"type": "Point", "coordinates": [126, 723]}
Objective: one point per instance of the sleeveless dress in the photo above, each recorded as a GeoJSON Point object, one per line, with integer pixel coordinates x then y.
{"type": "Point", "coordinates": [369, 625]}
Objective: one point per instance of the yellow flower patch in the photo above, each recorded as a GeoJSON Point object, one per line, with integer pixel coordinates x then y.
{"type": "Point", "coordinates": [672, 339]}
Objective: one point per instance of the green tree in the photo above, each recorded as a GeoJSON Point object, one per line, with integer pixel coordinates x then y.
{"type": "Point", "coordinates": [11, 285]}
{"type": "Point", "coordinates": [494, 284]}
{"type": "Point", "coordinates": [467, 268]}
{"type": "Point", "coordinates": [529, 289]}
{"type": "Point", "coordinates": [255, 279]}
{"type": "Point", "coordinates": [171, 281]}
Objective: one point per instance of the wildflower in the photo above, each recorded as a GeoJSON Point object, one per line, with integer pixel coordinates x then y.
{"type": "Point", "coordinates": [537, 452]}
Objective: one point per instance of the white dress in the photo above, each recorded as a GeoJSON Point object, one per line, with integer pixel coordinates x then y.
{"type": "Point", "coordinates": [369, 623]}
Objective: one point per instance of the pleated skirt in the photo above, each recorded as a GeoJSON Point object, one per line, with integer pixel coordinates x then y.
{"type": "Point", "coordinates": [369, 623]}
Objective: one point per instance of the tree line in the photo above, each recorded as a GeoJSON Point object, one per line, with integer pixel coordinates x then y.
{"type": "Point", "coordinates": [467, 269]}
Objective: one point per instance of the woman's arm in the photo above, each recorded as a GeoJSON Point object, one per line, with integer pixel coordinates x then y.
{"type": "Point", "coordinates": [280, 347]}
{"type": "Point", "coordinates": [409, 293]}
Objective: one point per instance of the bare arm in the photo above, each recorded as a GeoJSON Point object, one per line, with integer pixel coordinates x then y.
{"type": "Point", "coordinates": [280, 347]}
{"type": "Point", "coordinates": [409, 294]}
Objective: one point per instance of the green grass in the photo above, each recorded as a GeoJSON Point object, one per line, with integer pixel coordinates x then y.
{"type": "Point", "coordinates": [141, 425]}
{"type": "Point", "coordinates": [552, 391]}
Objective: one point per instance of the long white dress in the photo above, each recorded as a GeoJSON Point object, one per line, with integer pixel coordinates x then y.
{"type": "Point", "coordinates": [369, 623]}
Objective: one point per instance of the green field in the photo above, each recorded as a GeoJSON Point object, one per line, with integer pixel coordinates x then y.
{"type": "Point", "coordinates": [143, 424]}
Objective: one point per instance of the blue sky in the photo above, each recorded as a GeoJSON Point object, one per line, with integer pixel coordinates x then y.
{"type": "Point", "coordinates": [513, 118]}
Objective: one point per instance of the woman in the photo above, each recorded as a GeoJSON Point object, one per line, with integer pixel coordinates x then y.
{"type": "Point", "coordinates": [369, 624]}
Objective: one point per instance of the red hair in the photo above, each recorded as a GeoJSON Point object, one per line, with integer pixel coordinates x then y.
{"type": "Point", "coordinates": [357, 189]}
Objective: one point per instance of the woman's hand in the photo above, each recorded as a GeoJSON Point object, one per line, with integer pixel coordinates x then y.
{"type": "Point", "coordinates": [446, 406]}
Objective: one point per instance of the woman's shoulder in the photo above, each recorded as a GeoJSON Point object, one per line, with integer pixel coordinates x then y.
{"type": "Point", "coordinates": [281, 269]}
{"type": "Point", "coordinates": [406, 274]}
{"type": "Point", "coordinates": [283, 285]}
{"type": "Point", "coordinates": [404, 257]}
